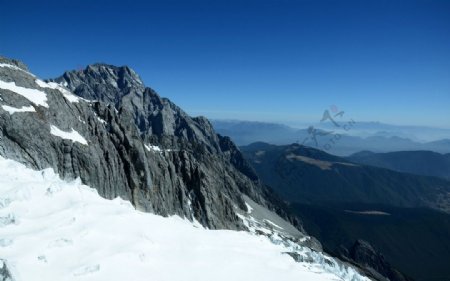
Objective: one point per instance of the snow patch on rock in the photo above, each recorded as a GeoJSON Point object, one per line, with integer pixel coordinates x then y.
{"type": "Point", "coordinates": [55, 86]}
{"type": "Point", "coordinates": [72, 135]}
{"type": "Point", "coordinates": [101, 120]}
{"type": "Point", "coordinates": [153, 148]}
{"type": "Point", "coordinates": [249, 208]}
{"type": "Point", "coordinates": [13, 110]}
{"type": "Point", "coordinates": [35, 96]}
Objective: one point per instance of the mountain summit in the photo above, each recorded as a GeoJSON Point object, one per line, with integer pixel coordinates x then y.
{"type": "Point", "coordinates": [103, 126]}
{"type": "Point", "coordinates": [135, 144]}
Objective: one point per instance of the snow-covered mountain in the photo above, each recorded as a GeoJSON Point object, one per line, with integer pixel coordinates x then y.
{"type": "Point", "coordinates": [161, 182]}
{"type": "Point", "coordinates": [51, 229]}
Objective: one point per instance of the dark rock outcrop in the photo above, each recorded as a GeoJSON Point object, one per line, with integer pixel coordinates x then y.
{"type": "Point", "coordinates": [371, 262]}
{"type": "Point", "coordinates": [5, 274]}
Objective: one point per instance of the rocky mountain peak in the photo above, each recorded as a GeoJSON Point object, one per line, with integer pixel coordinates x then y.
{"type": "Point", "coordinates": [124, 76]}
{"type": "Point", "coordinates": [13, 62]}
{"type": "Point", "coordinates": [125, 140]}
{"type": "Point", "coordinates": [158, 119]}
{"type": "Point", "coordinates": [113, 82]}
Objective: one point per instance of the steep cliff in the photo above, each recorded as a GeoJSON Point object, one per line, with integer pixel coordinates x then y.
{"type": "Point", "coordinates": [132, 143]}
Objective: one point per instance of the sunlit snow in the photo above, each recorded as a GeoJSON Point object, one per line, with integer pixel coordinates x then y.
{"type": "Point", "coordinates": [72, 135]}
{"type": "Point", "coordinates": [154, 148]}
{"type": "Point", "coordinates": [52, 85]}
{"type": "Point", "coordinates": [56, 230]}
{"type": "Point", "coordinates": [101, 120]}
{"type": "Point", "coordinates": [35, 96]}
{"type": "Point", "coordinates": [249, 208]}
{"type": "Point", "coordinates": [12, 110]}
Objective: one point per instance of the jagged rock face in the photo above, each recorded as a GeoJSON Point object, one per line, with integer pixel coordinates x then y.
{"type": "Point", "coordinates": [157, 118]}
{"type": "Point", "coordinates": [140, 146]}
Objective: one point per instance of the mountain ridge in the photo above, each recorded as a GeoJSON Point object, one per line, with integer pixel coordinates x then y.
{"type": "Point", "coordinates": [141, 147]}
{"type": "Point", "coordinates": [437, 164]}
{"type": "Point", "coordinates": [311, 175]}
{"type": "Point", "coordinates": [247, 132]}
{"type": "Point", "coordinates": [102, 125]}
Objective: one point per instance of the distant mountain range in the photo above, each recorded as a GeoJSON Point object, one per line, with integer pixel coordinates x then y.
{"type": "Point", "coordinates": [415, 133]}
{"type": "Point", "coordinates": [308, 175]}
{"type": "Point", "coordinates": [425, 163]}
{"type": "Point", "coordinates": [331, 140]}
{"type": "Point", "coordinates": [103, 127]}
{"type": "Point", "coordinates": [405, 216]}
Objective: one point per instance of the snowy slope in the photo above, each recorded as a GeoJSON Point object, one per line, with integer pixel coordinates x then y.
{"type": "Point", "coordinates": [55, 230]}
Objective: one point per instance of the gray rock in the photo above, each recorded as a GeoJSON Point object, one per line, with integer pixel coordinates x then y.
{"type": "Point", "coordinates": [196, 174]}
{"type": "Point", "coordinates": [141, 147]}
{"type": "Point", "coordinates": [5, 274]}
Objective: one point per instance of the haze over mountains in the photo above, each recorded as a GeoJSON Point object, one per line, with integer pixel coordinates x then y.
{"type": "Point", "coordinates": [374, 193]}
{"type": "Point", "coordinates": [308, 175]}
{"type": "Point", "coordinates": [369, 136]}
{"type": "Point", "coordinates": [426, 163]}
{"type": "Point", "coordinates": [102, 127]}
{"type": "Point", "coordinates": [327, 158]}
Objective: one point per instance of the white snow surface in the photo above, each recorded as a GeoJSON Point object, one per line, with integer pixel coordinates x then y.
{"type": "Point", "coordinates": [52, 85]}
{"type": "Point", "coordinates": [249, 208]}
{"type": "Point", "coordinates": [273, 224]}
{"type": "Point", "coordinates": [72, 135]}
{"type": "Point", "coordinates": [13, 110]}
{"type": "Point", "coordinates": [35, 96]}
{"type": "Point", "coordinates": [56, 230]}
{"type": "Point", "coordinates": [101, 120]}
{"type": "Point", "coordinates": [157, 149]}
{"type": "Point", "coordinates": [154, 148]}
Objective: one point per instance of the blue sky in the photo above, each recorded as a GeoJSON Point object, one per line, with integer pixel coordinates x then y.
{"type": "Point", "coordinates": [283, 61]}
